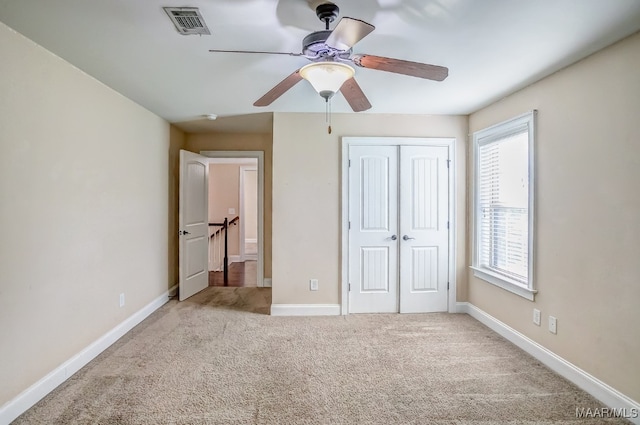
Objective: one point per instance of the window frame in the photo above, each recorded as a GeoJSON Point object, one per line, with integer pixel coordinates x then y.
{"type": "Point", "coordinates": [492, 134]}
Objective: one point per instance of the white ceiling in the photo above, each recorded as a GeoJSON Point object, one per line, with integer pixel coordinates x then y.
{"type": "Point", "coordinates": [491, 47]}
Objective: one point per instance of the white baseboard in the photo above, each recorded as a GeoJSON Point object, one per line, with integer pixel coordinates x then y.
{"type": "Point", "coordinates": [305, 309]}
{"type": "Point", "coordinates": [462, 308]}
{"type": "Point", "coordinates": [611, 397]}
{"type": "Point", "coordinates": [249, 240]}
{"type": "Point", "coordinates": [234, 259]}
{"type": "Point", "coordinates": [26, 399]}
{"type": "Point", "coordinates": [267, 282]}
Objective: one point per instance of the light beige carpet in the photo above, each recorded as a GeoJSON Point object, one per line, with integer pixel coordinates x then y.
{"type": "Point", "coordinates": [197, 363]}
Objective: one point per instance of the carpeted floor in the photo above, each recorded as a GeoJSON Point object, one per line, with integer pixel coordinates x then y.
{"type": "Point", "coordinates": [198, 363]}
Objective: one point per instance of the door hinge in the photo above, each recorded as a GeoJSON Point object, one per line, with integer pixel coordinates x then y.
{"type": "Point", "coordinates": [349, 225]}
{"type": "Point", "coordinates": [349, 163]}
{"type": "Point", "coordinates": [349, 287]}
{"type": "Point", "coordinates": [447, 286]}
{"type": "Point", "coordinates": [447, 225]}
{"type": "Point", "coordinates": [448, 162]}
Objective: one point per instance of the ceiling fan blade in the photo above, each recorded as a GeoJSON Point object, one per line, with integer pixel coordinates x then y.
{"type": "Point", "coordinates": [348, 32]}
{"type": "Point", "coordinates": [355, 96]}
{"type": "Point", "coordinates": [414, 69]}
{"type": "Point", "coordinates": [279, 89]}
{"type": "Point", "coordinates": [255, 51]}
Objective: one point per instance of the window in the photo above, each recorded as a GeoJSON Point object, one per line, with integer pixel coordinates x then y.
{"type": "Point", "coordinates": [503, 205]}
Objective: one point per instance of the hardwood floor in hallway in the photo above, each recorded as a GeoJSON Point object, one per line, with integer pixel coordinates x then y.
{"type": "Point", "coordinates": [240, 275]}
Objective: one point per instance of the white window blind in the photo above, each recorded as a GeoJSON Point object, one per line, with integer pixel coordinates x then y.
{"type": "Point", "coordinates": [503, 205]}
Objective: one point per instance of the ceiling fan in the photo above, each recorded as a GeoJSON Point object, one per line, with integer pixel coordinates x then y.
{"type": "Point", "coordinates": [330, 53]}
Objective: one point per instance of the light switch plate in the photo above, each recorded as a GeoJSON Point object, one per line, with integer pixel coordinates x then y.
{"type": "Point", "coordinates": [553, 325]}
{"type": "Point", "coordinates": [536, 316]}
{"type": "Point", "coordinates": [232, 210]}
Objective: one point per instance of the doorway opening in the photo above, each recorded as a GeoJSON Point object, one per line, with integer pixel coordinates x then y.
{"type": "Point", "coordinates": [222, 229]}
{"type": "Point", "coordinates": [236, 194]}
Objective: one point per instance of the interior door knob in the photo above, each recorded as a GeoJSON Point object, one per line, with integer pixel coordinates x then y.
{"type": "Point", "coordinates": [406, 238]}
{"type": "Point", "coordinates": [394, 237]}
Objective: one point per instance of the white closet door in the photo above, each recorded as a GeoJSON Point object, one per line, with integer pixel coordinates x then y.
{"type": "Point", "coordinates": [424, 233]}
{"type": "Point", "coordinates": [373, 236]}
{"type": "Point", "coordinates": [399, 229]}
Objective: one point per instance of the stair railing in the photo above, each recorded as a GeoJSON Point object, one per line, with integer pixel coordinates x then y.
{"type": "Point", "coordinates": [223, 227]}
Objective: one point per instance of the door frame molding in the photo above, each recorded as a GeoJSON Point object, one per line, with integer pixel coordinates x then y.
{"type": "Point", "coordinates": [260, 156]}
{"type": "Point", "coordinates": [450, 144]}
{"type": "Point", "coordinates": [243, 255]}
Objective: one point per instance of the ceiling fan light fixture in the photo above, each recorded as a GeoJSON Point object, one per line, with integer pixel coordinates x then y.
{"type": "Point", "coordinates": [327, 77]}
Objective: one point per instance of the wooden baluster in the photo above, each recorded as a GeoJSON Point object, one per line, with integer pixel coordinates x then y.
{"type": "Point", "coordinates": [226, 259]}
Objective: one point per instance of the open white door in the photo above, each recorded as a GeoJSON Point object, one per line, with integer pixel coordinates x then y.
{"type": "Point", "coordinates": [193, 224]}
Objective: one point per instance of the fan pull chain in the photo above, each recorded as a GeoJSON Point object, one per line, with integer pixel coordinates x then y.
{"type": "Point", "coordinates": [328, 115]}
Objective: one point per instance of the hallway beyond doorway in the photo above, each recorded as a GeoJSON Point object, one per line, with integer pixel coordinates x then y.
{"type": "Point", "coordinates": [241, 274]}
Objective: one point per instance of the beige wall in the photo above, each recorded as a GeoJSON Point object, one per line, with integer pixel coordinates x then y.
{"type": "Point", "coordinates": [243, 142]}
{"type": "Point", "coordinates": [587, 267]}
{"type": "Point", "coordinates": [176, 142]}
{"type": "Point", "coordinates": [83, 211]}
{"type": "Point", "coordinates": [307, 196]}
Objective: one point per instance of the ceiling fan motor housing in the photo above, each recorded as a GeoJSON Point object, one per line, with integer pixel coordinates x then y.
{"type": "Point", "coordinates": [314, 47]}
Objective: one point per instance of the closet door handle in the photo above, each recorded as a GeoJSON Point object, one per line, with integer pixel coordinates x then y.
{"type": "Point", "coordinates": [393, 237]}
{"type": "Point", "coordinates": [406, 238]}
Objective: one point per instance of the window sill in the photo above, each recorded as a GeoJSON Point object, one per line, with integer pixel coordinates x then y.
{"type": "Point", "coordinates": [504, 283]}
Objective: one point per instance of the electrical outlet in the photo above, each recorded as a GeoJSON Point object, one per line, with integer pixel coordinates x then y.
{"type": "Point", "coordinates": [536, 316]}
{"type": "Point", "coordinates": [313, 284]}
{"type": "Point", "coordinates": [122, 300]}
{"type": "Point", "coordinates": [553, 325]}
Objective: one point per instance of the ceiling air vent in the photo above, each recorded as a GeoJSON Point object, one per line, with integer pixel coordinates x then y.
{"type": "Point", "coordinates": [187, 20]}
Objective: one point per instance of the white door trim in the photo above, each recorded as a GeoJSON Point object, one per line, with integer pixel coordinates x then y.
{"type": "Point", "coordinates": [260, 156]}
{"type": "Point", "coordinates": [243, 255]}
{"type": "Point", "coordinates": [450, 144]}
